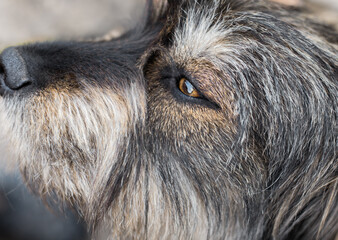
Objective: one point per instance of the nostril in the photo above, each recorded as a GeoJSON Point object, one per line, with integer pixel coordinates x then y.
{"type": "Point", "coordinates": [16, 85]}
{"type": "Point", "coordinates": [13, 69]}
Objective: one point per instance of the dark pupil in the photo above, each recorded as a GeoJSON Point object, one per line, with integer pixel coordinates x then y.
{"type": "Point", "coordinates": [189, 87]}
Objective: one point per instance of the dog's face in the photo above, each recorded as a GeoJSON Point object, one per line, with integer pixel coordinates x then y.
{"type": "Point", "coordinates": [195, 127]}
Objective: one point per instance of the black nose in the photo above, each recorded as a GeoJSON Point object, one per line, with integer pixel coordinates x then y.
{"type": "Point", "coordinates": [13, 71]}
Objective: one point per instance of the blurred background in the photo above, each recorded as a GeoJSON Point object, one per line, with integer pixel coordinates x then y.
{"type": "Point", "coordinates": [22, 216]}
{"type": "Point", "coordinates": [24, 21]}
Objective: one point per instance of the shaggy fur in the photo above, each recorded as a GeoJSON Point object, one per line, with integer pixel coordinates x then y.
{"type": "Point", "coordinates": [105, 127]}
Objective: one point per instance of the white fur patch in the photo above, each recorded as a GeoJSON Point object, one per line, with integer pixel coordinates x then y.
{"type": "Point", "coordinates": [67, 142]}
{"type": "Point", "coordinates": [201, 35]}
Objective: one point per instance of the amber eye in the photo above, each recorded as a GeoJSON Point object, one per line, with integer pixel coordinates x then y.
{"type": "Point", "coordinates": [187, 88]}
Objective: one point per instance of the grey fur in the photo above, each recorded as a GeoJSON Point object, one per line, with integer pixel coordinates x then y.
{"type": "Point", "coordinates": [255, 158]}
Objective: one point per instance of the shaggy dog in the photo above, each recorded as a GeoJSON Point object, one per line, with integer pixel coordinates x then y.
{"type": "Point", "coordinates": [213, 119]}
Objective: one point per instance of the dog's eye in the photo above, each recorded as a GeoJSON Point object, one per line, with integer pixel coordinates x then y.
{"type": "Point", "coordinates": [187, 88]}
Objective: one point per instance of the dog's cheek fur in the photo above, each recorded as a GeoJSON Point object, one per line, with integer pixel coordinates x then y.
{"type": "Point", "coordinates": [67, 142]}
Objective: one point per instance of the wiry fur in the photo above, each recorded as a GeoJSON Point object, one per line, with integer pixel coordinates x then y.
{"type": "Point", "coordinates": [255, 158]}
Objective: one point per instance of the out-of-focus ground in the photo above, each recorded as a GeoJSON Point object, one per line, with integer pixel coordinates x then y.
{"type": "Point", "coordinates": [21, 214]}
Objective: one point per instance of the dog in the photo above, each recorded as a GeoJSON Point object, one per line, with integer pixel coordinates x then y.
{"type": "Point", "coordinates": [209, 120]}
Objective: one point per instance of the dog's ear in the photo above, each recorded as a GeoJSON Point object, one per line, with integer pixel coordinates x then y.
{"type": "Point", "coordinates": [158, 4]}
{"type": "Point", "coordinates": [165, 2]}
{"type": "Point", "coordinates": [155, 10]}
{"type": "Point", "coordinates": [160, 9]}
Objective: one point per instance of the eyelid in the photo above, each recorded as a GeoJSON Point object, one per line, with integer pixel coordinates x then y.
{"type": "Point", "coordinates": [171, 76]}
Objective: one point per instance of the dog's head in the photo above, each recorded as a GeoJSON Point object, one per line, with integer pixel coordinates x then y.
{"type": "Point", "coordinates": [214, 119]}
